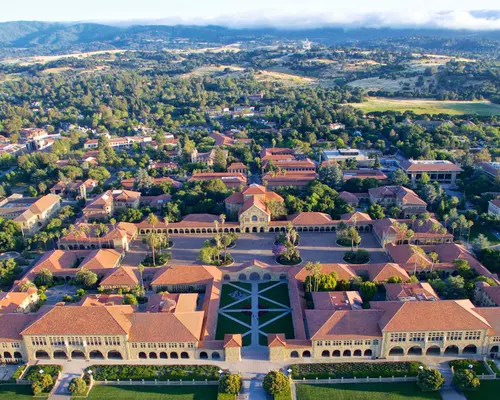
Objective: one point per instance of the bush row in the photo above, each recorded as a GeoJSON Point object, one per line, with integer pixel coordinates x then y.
{"type": "Point", "coordinates": [355, 370]}
{"type": "Point", "coordinates": [477, 365]}
{"type": "Point", "coordinates": [152, 372]}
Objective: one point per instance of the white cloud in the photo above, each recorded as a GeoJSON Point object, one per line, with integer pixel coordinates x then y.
{"type": "Point", "coordinates": [469, 20]}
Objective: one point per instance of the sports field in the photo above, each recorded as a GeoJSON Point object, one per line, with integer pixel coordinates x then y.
{"type": "Point", "coordinates": [421, 106]}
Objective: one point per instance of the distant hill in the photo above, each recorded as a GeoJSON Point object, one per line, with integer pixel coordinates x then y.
{"type": "Point", "coordinates": [41, 37]}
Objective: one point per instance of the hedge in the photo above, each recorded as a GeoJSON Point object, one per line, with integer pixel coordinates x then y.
{"type": "Point", "coordinates": [355, 370]}
{"type": "Point", "coordinates": [152, 372]}
{"type": "Point", "coordinates": [19, 371]}
{"type": "Point", "coordinates": [33, 373]}
{"type": "Point", "coordinates": [226, 396]}
{"type": "Point", "coordinates": [494, 367]}
{"type": "Point", "coordinates": [477, 365]}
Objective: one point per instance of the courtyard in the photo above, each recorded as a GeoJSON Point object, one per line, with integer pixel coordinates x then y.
{"type": "Point", "coordinates": [314, 246]}
{"type": "Point", "coordinates": [255, 310]}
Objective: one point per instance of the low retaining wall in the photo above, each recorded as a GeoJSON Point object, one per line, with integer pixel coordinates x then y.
{"type": "Point", "coordinates": [357, 380]}
{"type": "Point", "coordinates": [157, 383]}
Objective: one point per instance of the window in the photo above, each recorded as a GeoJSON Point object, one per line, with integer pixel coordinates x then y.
{"type": "Point", "coordinates": [472, 335]}
{"type": "Point", "coordinates": [254, 218]}
{"type": "Point", "coordinates": [436, 336]}
{"type": "Point", "coordinates": [337, 343]}
{"type": "Point", "coordinates": [417, 337]}
{"type": "Point", "coordinates": [319, 343]}
{"type": "Point", "coordinates": [398, 337]}
{"type": "Point", "coordinates": [454, 336]}
{"type": "Point", "coordinates": [347, 342]}
{"type": "Point", "coordinates": [358, 343]}
{"type": "Point", "coordinates": [328, 343]}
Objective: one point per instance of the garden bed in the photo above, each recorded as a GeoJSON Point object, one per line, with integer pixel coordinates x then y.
{"type": "Point", "coordinates": [355, 370]}
{"type": "Point", "coordinates": [344, 242]}
{"type": "Point", "coordinates": [282, 261]}
{"type": "Point", "coordinates": [357, 257]}
{"type": "Point", "coordinates": [152, 372]}
{"type": "Point", "coordinates": [477, 365]}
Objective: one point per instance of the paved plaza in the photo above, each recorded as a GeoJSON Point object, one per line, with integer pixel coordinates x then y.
{"type": "Point", "coordinates": [314, 246]}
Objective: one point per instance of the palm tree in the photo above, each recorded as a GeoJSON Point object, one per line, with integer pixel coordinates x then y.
{"type": "Point", "coordinates": [166, 222]}
{"type": "Point", "coordinates": [453, 227]}
{"type": "Point", "coordinates": [434, 257]}
{"type": "Point", "coordinates": [316, 272]}
{"type": "Point", "coordinates": [413, 219]}
{"type": "Point", "coordinates": [152, 220]}
{"type": "Point", "coordinates": [152, 241]}
{"type": "Point", "coordinates": [140, 267]}
{"type": "Point", "coordinates": [469, 225]}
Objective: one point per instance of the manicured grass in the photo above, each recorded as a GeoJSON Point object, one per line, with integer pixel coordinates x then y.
{"type": "Point", "coordinates": [247, 303]}
{"type": "Point", "coordinates": [488, 390]}
{"type": "Point", "coordinates": [262, 340]}
{"type": "Point", "coordinates": [281, 325]}
{"type": "Point", "coordinates": [226, 325]}
{"type": "Point", "coordinates": [476, 230]}
{"type": "Point", "coordinates": [364, 391]}
{"type": "Point", "coordinates": [243, 285]}
{"type": "Point", "coordinates": [478, 365]}
{"type": "Point", "coordinates": [264, 285]}
{"type": "Point", "coordinates": [225, 298]}
{"type": "Point", "coordinates": [287, 395]}
{"type": "Point", "coordinates": [494, 367]}
{"type": "Point", "coordinates": [245, 317]}
{"type": "Point", "coordinates": [264, 304]}
{"type": "Point", "coordinates": [247, 340]}
{"type": "Point", "coordinates": [268, 316]}
{"type": "Point", "coordinates": [153, 393]}
{"type": "Point", "coordinates": [16, 392]}
{"type": "Point", "coordinates": [278, 293]}
{"type": "Point", "coordinates": [421, 106]}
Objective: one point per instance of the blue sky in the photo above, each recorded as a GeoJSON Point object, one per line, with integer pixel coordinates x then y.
{"type": "Point", "coordinates": [444, 13]}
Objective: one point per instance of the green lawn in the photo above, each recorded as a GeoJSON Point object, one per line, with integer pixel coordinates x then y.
{"type": "Point", "coordinates": [247, 303]}
{"type": "Point", "coordinates": [225, 296]}
{"type": "Point", "coordinates": [264, 304]}
{"type": "Point", "coordinates": [268, 316]}
{"type": "Point", "coordinates": [424, 106]}
{"type": "Point", "coordinates": [153, 393]}
{"type": "Point", "coordinates": [487, 390]}
{"type": "Point", "coordinates": [365, 391]}
{"type": "Point", "coordinates": [278, 293]}
{"type": "Point", "coordinates": [264, 285]}
{"type": "Point", "coordinates": [245, 317]}
{"type": "Point", "coordinates": [243, 285]}
{"type": "Point", "coordinates": [226, 325]}
{"type": "Point", "coordinates": [16, 392]}
{"type": "Point", "coordinates": [476, 230]}
{"type": "Point", "coordinates": [281, 325]}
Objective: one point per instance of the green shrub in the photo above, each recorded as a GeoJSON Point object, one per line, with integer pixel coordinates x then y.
{"type": "Point", "coordinates": [19, 371]}
{"type": "Point", "coordinates": [358, 370]}
{"type": "Point", "coordinates": [152, 372]}
{"type": "Point", "coordinates": [466, 379]}
{"type": "Point", "coordinates": [276, 382]}
{"type": "Point", "coordinates": [494, 367]}
{"type": "Point", "coordinates": [230, 383]}
{"type": "Point", "coordinates": [226, 396]}
{"type": "Point", "coordinates": [34, 375]}
{"type": "Point", "coordinates": [430, 380]}
{"type": "Point", "coordinates": [477, 365]}
{"type": "Point", "coordinates": [78, 386]}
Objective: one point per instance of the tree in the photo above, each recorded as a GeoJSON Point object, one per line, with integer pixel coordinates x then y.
{"type": "Point", "coordinates": [480, 243]}
{"type": "Point", "coordinates": [368, 290]}
{"type": "Point", "coordinates": [466, 379]}
{"type": "Point", "coordinates": [353, 236]}
{"type": "Point", "coordinates": [400, 178]}
{"type": "Point", "coordinates": [220, 160]}
{"type": "Point", "coordinates": [331, 175]}
{"type": "Point", "coordinates": [376, 211]}
{"type": "Point", "coordinates": [130, 299]}
{"type": "Point", "coordinates": [434, 258]}
{"type": "Point", "coordinates": [230, 383]}
{"type": "Point", "coordinates": [86, 278]}
{"type": "Point", "coordinates": [77, 386]}
{"type": "Point", "coordinates": [276, 382]}
{"type": "Point", "coordinates": [430, 380]}
{"type": "Point", "coordinates": [44, 277]}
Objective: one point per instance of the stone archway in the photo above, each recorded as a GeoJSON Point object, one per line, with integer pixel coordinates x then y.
{"type": "Point", "coordinates": [78, 355]}
{"type": "Point", "coordinates": [96, 354]}
{"type": "Point", "coordinates": [451, 350]}
{"type": "Point", "coordinates": [203, 355]}
{"type": "Point", "coordinates": [42, 355]}
{"type": "Point", "coordinates": [397, 351]}
{"type": "Point", "coordinates": [115, 355]}
{"type": "Point", "coordinates": [415, 351]}
{"type": "Point", "coordinates": [254, 276]}
{"type": "Point", "coordinates": [433, 351]}
{"type": "Point", "coordinates": [470, 349]}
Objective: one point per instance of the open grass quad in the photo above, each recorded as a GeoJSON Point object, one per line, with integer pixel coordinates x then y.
{"type": "Point", "coordinates": [365, 391]}
{"type": "Point", "coordinates": [487, 390]}
{"type": "Point", "coordinates": [425, 106]}
{"type": "Point", "coordinates": [153, 393]}
{"type": "Point", "coordinates": [16, 392]}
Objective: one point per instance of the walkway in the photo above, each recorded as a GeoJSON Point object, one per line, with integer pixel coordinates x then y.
{"type": "Point", "coordinates": [449, 391]}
